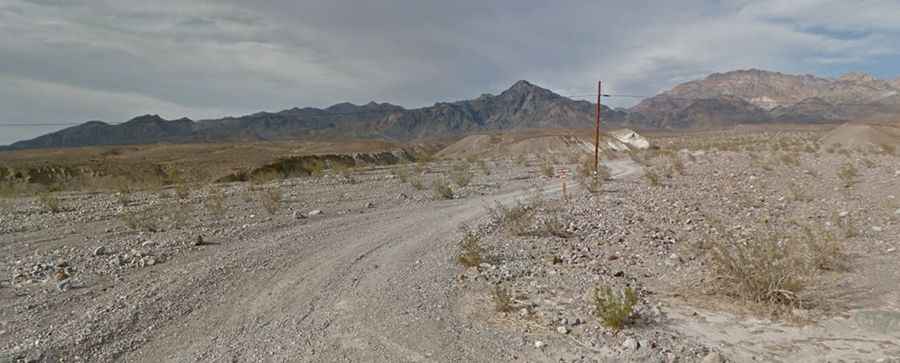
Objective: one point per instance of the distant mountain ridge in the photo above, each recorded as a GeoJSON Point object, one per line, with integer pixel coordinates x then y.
{"type": "Point", "coordinates": [719, 100]}
{"type": "Point", "coordinates": [770, 97]}
{"type": "Point", "coordinates": [522, 106]}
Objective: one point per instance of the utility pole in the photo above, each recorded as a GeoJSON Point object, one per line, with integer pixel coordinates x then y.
{"type": "Point", "coordinates": [597, 130]}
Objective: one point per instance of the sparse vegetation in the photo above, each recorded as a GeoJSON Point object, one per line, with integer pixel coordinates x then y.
{"type": "Point", "coordinates": [461, 174]}
{"type": "Point", "coordinates": [503, 301]}
{"type": "Point", "coordinates": [470, 250]}
{"type": "Point", "coordinates": [146, 221]}
{"type": "Point", "coordinates": [440, 188]}
{"type": "Point", "coordinates": [547, 169]}
{"type": "Point", "coordinates": [614, 310]}
{"type": "Point", "coordinates": [270, 200]}
{"type": "Point", "coordinates": [50, 202]}
{"type": "Point", "coordinates": [651, 177]}
{"type": "Point", "coordinates": [848, 175]}
{"type": "Point", "coordinates": [215, 200]}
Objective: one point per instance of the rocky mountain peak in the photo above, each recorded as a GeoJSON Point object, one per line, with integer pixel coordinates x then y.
{"type": "Point", "coordinates": [857, 77]}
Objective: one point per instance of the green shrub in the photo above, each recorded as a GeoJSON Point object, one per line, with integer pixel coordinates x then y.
{"type": "Point", "coordinates": [613, 309]}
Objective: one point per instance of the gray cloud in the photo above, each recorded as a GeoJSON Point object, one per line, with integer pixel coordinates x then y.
{"type": "Point", "coordinates": [71, 61]}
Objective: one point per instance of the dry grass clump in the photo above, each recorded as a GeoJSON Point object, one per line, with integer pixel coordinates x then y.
{"type": "Point", "coordinates": [553, 225]}
{"type": "Point", "coordinates": [503, 301]}
{"type": "Point", "coordinates": [614, 310]}
{"type": "Point", "coordinates": [772, 269]}
{"type": "Point", "coordinates": [652, 178]}
{"type": "Point", "coordinates": [50, 202]}
{"type": "Point", "coordinates": [401, 172]}
{"type": "Point", "coordinates": [270, 200]}
{"type": "Point", "coordinates": [547, 168]}
{"type": "Point", "coordinates": [440, 188]}
{"type": "Point", "coordinates": [215, 200]}
{"type": "Point", "coordinates": [461, 174]}
{"type": "Point", "coordinates": [516, 219]}
{"type": "Point", "coordinates": [145, 220]}
{"type": "Point", "coordinates": [848, 175]}
{"type": "Point", "coordinates": [798, 194]}
{"type": "Point", "coordinates": [888, 149]}
{"type": "Point", "coordinates": [470, 250]}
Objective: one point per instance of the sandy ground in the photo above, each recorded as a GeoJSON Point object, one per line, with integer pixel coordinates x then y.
{"type": "Point", "coordinates": [373, 277]}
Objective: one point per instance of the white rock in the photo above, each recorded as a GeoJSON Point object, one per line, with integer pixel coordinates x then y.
{"type": "Point", "coordinates": [631, 344]}
{"type": "Point", "coordinates": [713, 357]}
{"type": "Point", "coordinates": [843, 214]}
{"type": "Point", "coordinates": [897, 212]}
{"type": "Point", "coordinates": [100, 251]}
{"type": "Point", "coordinates": [314, 213]}
{"type": "Point", "coordinates": [877, 228]}
{"type": "Point", "coordinates": [539, 344]}
{"type": "Point", "coordinates": [562, 330]}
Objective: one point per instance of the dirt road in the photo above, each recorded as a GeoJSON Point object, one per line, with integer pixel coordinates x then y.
{"type": "Point", "coordinates": [370, 286]}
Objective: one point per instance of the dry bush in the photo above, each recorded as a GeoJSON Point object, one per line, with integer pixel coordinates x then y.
{"type": "Point", "coordinates": [50, 202]}
{"type": "Point", "coordinates": [461, 174]}
{"type": "Point", "coordinates": [440, 188]}
{"type": "Point", "coordinates": [146, 220]}
{"type": "Point", "coordinates": [614, 310]}
{"type": "Point", "coordinates": [417, 183]}
{"type": "Point", "coordinates": [825, 252]}
{"type": "Point", "coordinates": [763, 271]}
{"type": "Point", "coordinates": [470, 250]}
{"type": "Point", "coordinates": [483, 165]}
{"type": "Point", "coordinates": [848, 175]}
{"type": "Point", "coordinates": [270, 200]}
{"type": "Point", "coordinates": [401, 173]}
{"type": "Point", "coordinates": [790, 159]}
{"type": "Point", "coordinates": [516, 219]}
{"type": "Point", "coordinates": [182, 191]}
{"type": "Point", "coordinates": [547, 169]}
{"type": "Point", "coordinates": [503, 301]}
{"type": "Point", "coordinates": [520, 160]}
{"type": "Point", "coordinates": [553, 225]}
{"type": "Point", "coordinates": [652, 178]}
{"type": "Point", "coordinates": [215, 200]}
{"type": "Point", "coordinates": [592, 184]}
{"type": "Point", "coordinates": [888, 149]}
{"type": "Point", "coordinates": [799, 194]}
{"type": "Point", "coordinates": [265, 177]}
{"type": "Point", "coordinates": [868, 163]}
{"type": "Point", "coordinates": [346, 173]}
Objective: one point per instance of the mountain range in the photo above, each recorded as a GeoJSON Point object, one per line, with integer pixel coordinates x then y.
{"type": "Point", "coordinates": [719, 100]}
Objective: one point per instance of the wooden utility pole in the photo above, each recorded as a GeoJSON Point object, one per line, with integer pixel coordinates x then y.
{"type": "Point", "coordinates": [597, 131]}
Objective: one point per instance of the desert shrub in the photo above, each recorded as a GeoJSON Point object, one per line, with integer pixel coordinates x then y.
{"type": "Point", "coordinates": [417, 183]}
{"type": "Point", "coordinates": [264, 177]}
{"type": "Point", "coordinates": [799, 194]}
{"type": "Point", "coordinates": [516, 219]}
{"type": "Point", "coordinates": [520, 160]}
{"type": "Point", "coordinates": [592, 184]}
{"type": "Point", "coordinates": [50, 202]}
{"type": "Point", "coordinates": [585, 167]}
{"type": "Point", "coordinates": [847, 226]}
{"type": "Point", "coordinates": [503, 301]}
{"type": "Point", "coordinates": [270, 200]}
{"type": "Point", "coordinates": [762, 271]}
{"type": "Point", "coordinates": [146, 221]}
{"type": "Point", "coordinates": [470, 250]}
{"type": "Point", "coordinates": [790, 159]}
{"type": "Point", "coordinates": [868, 163]}
{"type": "Point", "coordinates": [461, 174]}
{"type": "Point", "coordinates": [553, 225]}
{"type": "Point", "coordinates": [401, 173]}
{"type": "Point", "coordinates": [848, 174]}
{"type": "Point", "coordinates": [547, 168]}
{"type": "Point", "coordinates": [825, 252]}
{"type": "Point", "coordinates": [345, 172]}
{"type": "Point", "coordinates": [182, 191]}
{"type": "Point", "coordinates": [215, 200]}
{"type": "Point", "coordinates": [483, 165]}
{"type": "Point", "coordinates": [651, 177]}
{"type": "Point", "coordinates": [613, 309]}
{"type": "Point", "coordinates": [888, 149]}
{"type": "Point", "coordinates": [440, 188]}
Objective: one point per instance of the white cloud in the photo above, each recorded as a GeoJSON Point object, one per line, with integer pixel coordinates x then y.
{"type": "Point", "coordinates": [77, 60]}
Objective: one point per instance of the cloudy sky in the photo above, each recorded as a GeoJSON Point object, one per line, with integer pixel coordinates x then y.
{"type": "Point", "coordinates": [76, 60]}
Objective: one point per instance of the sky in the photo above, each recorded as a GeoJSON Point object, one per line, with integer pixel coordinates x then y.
{"type": "Point", "coordinates": [70, 61]}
